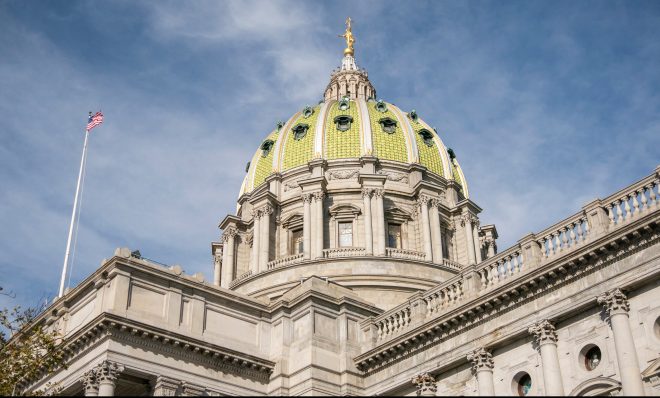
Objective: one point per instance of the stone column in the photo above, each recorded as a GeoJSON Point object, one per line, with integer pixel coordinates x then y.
{"type": "Point", "coordinates": [475, 238]}
{"type": "Point", "coordinates": [228, 237]}
{"type": "Point", "coordinates": [217, 267]}
{"type": "Point", "coordinates": [107, 373]}
{"type": "Point", "coordinates": [482, 366]}
{"type": "Point", "coordinates": [466, 222]}
{"type": "Point", "coordinates": [307, 227]}
{"type": "Point", "coordinates": [90, 383]}
{"type": "Point", "coordinates": [426, 227]}
{"type": "Point", "coordinates": [165, 387]}
{"type": "Point", "coordinates": [368, 232]}
{"type": "Point", "coordinates": [380, 222]}
{"type": "Point", "coordinates": [546, 338]}
{"type": "Point", "coordinates": [426, 385]}
{"type": "Point", "coordinates": [318, 218]}
{"type": "Point", "coordinates": [256, 240]}
{"type": "Point", "coordinates": [264, 244]}
{"type": "Point", "coordinates": [617, 307]}
{"type": "Point", "coordinates": [436, 231]}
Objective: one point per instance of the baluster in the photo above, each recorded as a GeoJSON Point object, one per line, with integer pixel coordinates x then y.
{"type": "Point", "coordinates": [564, 238]}
{"type": "Point", "coordinates": [610, 213]}
{"type": "Point", "coordinates": [619, 213]}
{"type": "Point", "coordinates": [508, 266]}
{"type": "Point", "coordinates": [551, 248]}
{"type": "Point", "coordinates": [635, 203]}
{"type": "Point", "coordinates": [445, 298]}
{"type": "Point", "coordinates": [398, 321]}
{"type": "Point", "coordinates": [578, 230]}
{"type": "Point", "coordinates": [628, 213]}
{"type": "Point", "coordinates": [557, 242]}
{"type": "Point", "coordinates": [572, 236]}
{"type": "Point", "coordinates": [521, 262]}
{"type": "Point", "coordinates": [459, 287]}
{"type": "Point", "coordinates": [379, 326]}
{"type": "Point", "coordinates": [406, 316]}
{"type": "Point", "coordinates": [645, 205]}
{"type": "Point", "coordinates": [514, 263]}
{"type": "Point", "coordinates": [652, 194]}
{"type": "Point", "coordinates": [585, 228]}
{"type": "Point", "coordinates": [484, 280]}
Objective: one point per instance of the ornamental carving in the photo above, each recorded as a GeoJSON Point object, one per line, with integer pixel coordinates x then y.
{"type": "Point", "coordinates": [165, 387]}
{"type": "Point", "coordinates": [378, 193]}
{"type": "Point", "coordinates": [266, 210]}
{"type": "Point", "coordinates": [481, 359]}
{"type": "Point", "coordinates": [426, 385]}
{"type": "Point", "coordinates": [306, 197]}
{"type": "Point", "coordinates": [90, 382]}
{"type": "Point", "coordinates": [291, 185]}
{"type": "Point", "coordinates": [229, 232]}
{"type": "Point", "coordinates": [615, 302]}
{"type": "Point", "coordinates": [468, 217]}
{"type": "Point", "coordinates": [318, 196]}
{"type": "Point", "coordinates": [423, 199]}
{"type": "Point", "coordinates": [108, 371]}
{"type": "Point", "coordinates": [396, 177]}
{"type": "Point", "coordinates": [543, 332]}
{"type": "Point", "coordinates": [435, 203]}
{"type": "Point", "coordinates": [366, 192]}
{"type": "Point", "coordinates": [342, 174]}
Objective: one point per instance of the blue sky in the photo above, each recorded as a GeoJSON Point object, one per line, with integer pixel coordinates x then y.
{"type": "Point", "coordinates": [546, 104]}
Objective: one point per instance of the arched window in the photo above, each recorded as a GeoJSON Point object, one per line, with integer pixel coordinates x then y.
{"type": "Point", "coordinates": [343, 122]}
{"type": "Point", "coordinates": [300, 131]}
{"type": "Point", "coordinates": [427, 136]}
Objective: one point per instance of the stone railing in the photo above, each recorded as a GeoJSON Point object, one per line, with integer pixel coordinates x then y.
{"type": "Point", "coordinates": [281, 262]}
{"type": "Point", "coordinates": [406, 254]}
{"type": "Point", "coordinates": [565, 235]}
{"type": "Point", "coordinates": [451, 264]}
{"type": "Point", "coordinates": [393, 322]}
{"type": "Point", "coordinates": [338, 252]}
{"type": "Point", "coordinates": [443, 296]}
{"type": "Point", "coordinates": [244, 275]}
{"type": "Point", "coordinates": [501, 267]}
{"type": "Point", "coordinates": [633, 201]}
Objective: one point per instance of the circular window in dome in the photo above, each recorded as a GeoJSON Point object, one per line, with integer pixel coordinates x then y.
{"type": "Point", "coordinates": [266, 146]}
{"type": "Point", "coordinates": [380, 106]}
{"type": "Point", "coordinates": [300, 131]}
{"type": "Point", "coordinates": [307, 112]}
{"type": "Point", "coordinates": [427, 137]}
{"type": "Point", "coordinates": [413, 116]}
{"type": "Point", "coordinates": [279, 125]}
{"type": "Point", "coordinates": [343, 122]}
{"type": "Point", "coordinates": [522, 384]}
{"type": "Point", "coordinates": [591, 357]}
{"type": "Point", "coordinates": [344, 104]}
{"type": "Point", "coordinates": [388, 125]}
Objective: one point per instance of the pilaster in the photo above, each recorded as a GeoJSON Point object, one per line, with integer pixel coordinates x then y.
{"type": "Point", "coordinates": [426, 385]}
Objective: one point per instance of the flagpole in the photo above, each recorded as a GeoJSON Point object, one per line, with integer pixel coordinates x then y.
{"type": "Point", "coordinates": [73, 215]}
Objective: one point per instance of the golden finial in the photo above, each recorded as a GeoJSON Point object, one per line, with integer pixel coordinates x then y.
{"type": "Point", "coordinates": [348, 35]}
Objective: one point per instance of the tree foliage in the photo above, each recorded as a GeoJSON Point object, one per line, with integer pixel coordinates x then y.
{"type": "Point", "coordinates": [27, 351]}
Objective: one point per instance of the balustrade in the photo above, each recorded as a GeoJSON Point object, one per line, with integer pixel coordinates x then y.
{"type": "Point", "coordinates": [568, 235]}
{"type": "Point", "coordinates": [393, 322]}
{"type": "Point", "coordinates": [344, 252]}
{"type": "Point", "coordinates": [444, 296]}
{"type": "Point", "coordinates": [632, 203]}
{"type": "Point", "coordinates": [280, 262]}
{"type": "Point", "coordinates": [506, 264]}
{"type": "Point", "coordinates": [405, 254]}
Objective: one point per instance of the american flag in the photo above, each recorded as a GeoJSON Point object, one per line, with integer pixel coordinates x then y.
{"type": "Point", "coordinates": [94, 120]}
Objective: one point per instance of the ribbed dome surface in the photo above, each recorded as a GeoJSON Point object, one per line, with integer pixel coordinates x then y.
{"type": "Point", "coordinates": [349, 129]}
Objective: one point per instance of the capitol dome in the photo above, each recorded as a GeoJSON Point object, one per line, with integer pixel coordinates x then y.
{"type": "Point", "coordinates": [356, 191]}
{"type": "Point", "coordinates": [348, 124]}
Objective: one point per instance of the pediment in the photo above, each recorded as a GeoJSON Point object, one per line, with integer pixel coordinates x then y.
{"type": "Point", "coordinates": [597, 386]}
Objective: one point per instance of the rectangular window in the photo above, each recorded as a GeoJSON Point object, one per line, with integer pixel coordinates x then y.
{"type": "Point", "coordinates": [394, 236]}
{"type": "Point", "coordinates": [297, 241]}
{"type": "Point", "coordinates": [345, 234]}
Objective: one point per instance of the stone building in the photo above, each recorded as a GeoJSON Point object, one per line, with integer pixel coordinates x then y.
{"type": "Point", "coordinates": [356, 264]}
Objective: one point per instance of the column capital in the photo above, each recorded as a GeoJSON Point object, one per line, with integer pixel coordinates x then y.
{"type": "Point", "coordinates": [543, 332]}
{"type": "Point", "coordinates": [108, 371]}
{"type": "Point", "coordinates": [165, 386]}
{"type": "Point", "coordinates": [423, 199]}
{"type": "Point", "coordinates": [426, 384]}
{"type": "Point", "coordinates": [266, 209]}
{"type": "Point", "coordinates": [481, 359]}
{"type": "Point", "coordinates": [366, 192]}
{"type": "Point", "coordinates": [435, 203]}
{"type": "Point", "coordinates": [229, 232]}
{"type": "Point", "coordinates": [469, 217]}
{"type": "Point", "coordinates": [90, 383]}
{"type": "Point", "coordinates": [378, 192]}
{"type": "Point", "coordinates": [306, 197]}
{"type": "Point", "coordinates": [319, 195]}
{"type": "Point", "coordinates": [615, 302]}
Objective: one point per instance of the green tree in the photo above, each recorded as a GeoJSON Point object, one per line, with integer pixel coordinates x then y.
{"type": "Point", "coordinates": [27, 350]}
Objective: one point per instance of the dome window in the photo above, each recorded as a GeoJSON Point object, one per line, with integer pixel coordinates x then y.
{"type": "Point", "coordinates": [279, 125]}
{"type": "Point", "coordinates": [343, 122]}
{"type": "Point", "coordinates": [344, 104]}
{"type": "Point", "coordinates": [380, 106]}
{"type": "Point", "coordinates": [388, 125]}
{"type": "Point", "coordinates": [451, 153]}
{"type": "Point", "coordinates": [427, 136]}
{"type": "Point", "coordinates": [266, 146]}
{"type": "Point", "coordinates": [307, 112]}
{"type": "Point", "coordinates": [413, 116]}
{"type": "Point", "coordinates": [300, 131]}
{"type": "Point", "coordinates": [247, 167]}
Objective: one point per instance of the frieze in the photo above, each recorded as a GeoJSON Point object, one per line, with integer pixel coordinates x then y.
{"type": "Point", "coordinates": [342, 174]}
{"type": "Point", "coordinates": [396, 177]}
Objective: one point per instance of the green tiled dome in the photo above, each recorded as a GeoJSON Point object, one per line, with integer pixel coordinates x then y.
{"type": "Point", "coordinates": [349, 129]}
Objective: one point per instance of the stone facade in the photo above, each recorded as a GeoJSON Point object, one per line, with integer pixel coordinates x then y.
{"type": "Point", "coordinates": [367, 276]}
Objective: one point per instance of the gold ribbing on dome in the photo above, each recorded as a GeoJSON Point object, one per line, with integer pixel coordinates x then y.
{"type": "Point", "coordinates": [350, 40]}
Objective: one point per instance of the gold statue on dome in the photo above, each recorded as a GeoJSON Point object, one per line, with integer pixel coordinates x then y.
{"type": "Point", "coordinates": [348, 35]}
